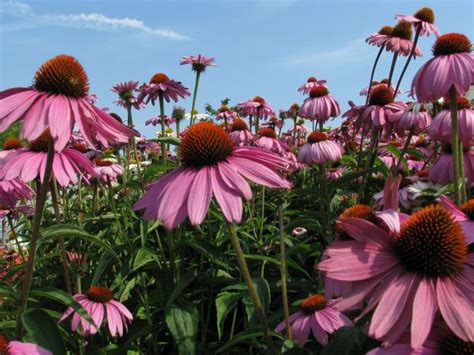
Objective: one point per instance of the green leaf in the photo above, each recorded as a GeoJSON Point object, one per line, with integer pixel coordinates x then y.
{"type": "Point", "coordinates": [167, 140]}
{"type": "Point", "coordinates": [417, 153]}
{"type": "Point", "coordinates": [394, 150]}
{"type": "Point", "coordinates": [248, 334]}
{"type": "Point", "coordinates": [182, 321]}
{"type": "Point", "coordinates": [263, 292]}
{"type": "Point", "coordinates": [104, 262]}
{"type": "Point", "coordinates": [144, 256]}
{"type": "Point", "coordinates": [71, 231]}
{"type": "Point", "coordinates": [346, 341]}
{"type": "Point", "coordinates": [209, 250]}
{"type": "Point", "coordinates": [182, 283]}
{"type": "Point", "coordinates": [349, 159]}
{"type": "Point", "coordinates": [225, 303]}
{"type": "Point", "coordinates": [44, 330]}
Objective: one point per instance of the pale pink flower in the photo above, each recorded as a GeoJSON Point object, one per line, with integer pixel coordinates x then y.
{"type": "Point", "coordinates": [310, 84]}
{"type": "Point", "coordinates": [58, 100]}
{"type": "Point", "coordinates": [267, 139]}
{"type": "Point", "coordinates": [319, 105]}
{"type": "Point", "coordinates": [374, 84]}
{"type": "Point", "coordinates": [13, 190]}
{"type": "Point", "coordinates": [18, 348]}
{"type": "Point", "coordinates": [211, 165]}
{"type": "Point", "coordinates": [199, 63]}
{"type": "Point", "coordinates": [317, 316]}
{"type": "Point", "coordinates": [106, 170]}
{"type": "Point", "coordinates": [240, 133]}
{"type": "Point", "coordinates": [76, 258]}
{"type": "Point", "coordinates": [412, 117]}
{"type": "Point", "coordinates": [379, 110]}
{"type": "Point", "coordinates": [161, 84]}
{"type": "Point", "coordinates": [422, 20]}
{"type": "Point", "coordinates": [256, 107]}
{"type": "Point", "coordinates": [400, 40]}
{"type": "Point", "coordinates": [225, 113]}
{"type": "Point", "coordinates": [407, 273]}
{"type": "Point", "coordinates": [452, 65]}
{"type": "Point", "coordinates": [100, 305]}
{"type": "Point", "coordinates": [463, 214]}
{"type": "Point", "coordinates": [442, 170]}
{"type": "Point", "coordinates": [298, 231]}
{"type": "Point", "coordinates": [381, 37]}
{"type": "Point", "coordinates": [320, 150]}
{"type": "Point", "coordinates": [126, 91]}
{"type": "Point", "coordinates": [334, 173]}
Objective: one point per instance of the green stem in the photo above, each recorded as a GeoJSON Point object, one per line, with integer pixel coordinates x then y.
{"type": "Point", "coordinates": [392, 69]}
{"type": "Point", "coordinates": [410, 56]}
{"type": "Point", "coordinates": [15, 237]}
{"type": "Point", "coordinates": [283, 271]}
{"type": "Point", "coordinates": [164, 154]}
{"type": "Point", "coordinates": [455, 144]}
{"type": "Point", "coordinates": [252, 291]}
{"type": "Point", "coordinates": [196, 85]}
{"type": "Point", "coordinates": [461, 173]}
{"type": "Point", "coordinates": [373, 72]}
{"type": "Point", "coordinates": [262, 213]}
{"type": "Point", "coordinates": [371, 155]}
{"type": "Point", "coordinates": [35, 234]}
{"type": "Point", "coordinates": [257, 122]}
{"type": "Point", "coordinates": [402, 153]}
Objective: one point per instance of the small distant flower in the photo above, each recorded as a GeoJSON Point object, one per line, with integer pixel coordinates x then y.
{"type": "Point", "coordinates": [100, 305]}
{"type": "Point", "coordinates": [156, 120]}
{"type": "Point", "coordinates": [380, 108]}
{"type": "Point", "coordinates": [452, 65]}
{"type": "Point", "coordinates": [293, 111]}
{"type": "Point", "coordinates": [106, 170]}
{"type": "Point", "coordinates": [18, 348]}
{"type": "Point", "coordinates": [463, 214]}
{"type": "Point", "coordinates": [28, 164]}
{"type": "Point", "coordinates": [267, 139]}
{"type": "Point", "coordinates": [317, 316]}
{"type": "Point", "coordinates": [256, 106]}
{"type": "Point", "coordinates": [423, 20]}
{"type": "Point", "coordinates": [225, 113]}
{"type": "Point", "coordinates": [300, 129]}
{"type": "Point", "coordinates": [161, 84]}
{"type": "Point", "coordinates": [375, 84]}
{"type": "Point", "coordinates": [381, 37]}
{"type": "Point", "coordinates": [240, 134]}
{"type": "Point", "coordinates": [400, 40]}
{"type": "Point", "coordinates": [199, 63]}
{"type": "Point", "coordinates": [178, 113]}
{"type": "Point", "coordinates": [334, 173]}
{"type": "Point", "coordinates": [319, 150]}
{"type": "Point", "coordinates": [76, 258]}
{"type": "Point", "coordinates": [298, 231]}
{"type": "Point", "coordinates": [126, 91]}
{"type": "Point", "coordinates": [310, 84]}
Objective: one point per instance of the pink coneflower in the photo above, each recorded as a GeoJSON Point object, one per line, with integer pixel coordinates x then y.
{"type": "Point", "coordinates": [76, 258]}
{"type": "Point", "coordinates": [211, 165]}
{"type": "Point", "coordinates": [381, 37]}
{"type": "Point", "coordinates": [452, 65]}
{"type": "Point", "coordinates": [100, 305]}
{"type": "Point", "coordinates": [407, 272]}
{"type": "Point", "coordinates": [240, 133]}
{"type": "Point", "coordinates": [156, 120]}
{"type": "Point", "coordinates": [106, 170]}
{"type": "Point", "coordinates": [423, 21]}
{"type": "Point", "coordinates": [293, 111]}
{"type": "Point", "coordinates": [199, 63]}
{"type": "Point", "coordinates": [440, 129]}
{"type": "Point", "coordinates": [412, 117]}
{"type": "Point", "coordinates": [463, 214]}
{"type": "Point", "coordinates": [442, 170]}
{"type": "Point", "coordinates": [380, 108]}
{"type": "Point", "coordinates": [318, 316]}
{"type": "Point", "coordinates": [300, 130]}
{"type": "Point", "coordinates": [58, 100]}
{"type": "Point", "coordinates": [375, 84]}
{"type": "Point", "coordinates": [29, 163]}
{"type": "Point", "coordinates": [19, 348]}
{"type": "Point", "coordinates": [319, 150]}
{"type": "Point", "coordinates": [404, 195]}
{"type": "Point", "coordinates": [126, 91]}
{"type": "Point", "coordinates": [319, 105]}
{"type": "Point", "coordinates": [256, 107]}
{"type": "Point", "coordinates": [267, 139]}
{"type": "Point", "coordinates": [310, 84]}
{"type": "Point", "coordinates": [400, 40]}
{"type": "Point", "coordinates": [334, 173]}
{"type": "Point", "coordinates": [225, 113]}
{"type": "Point", "coordinates": [13, 190]}
{"type": "Point", "coordinates": [161, 84]}
{"type": "Point", "coordinates": [298, 232]}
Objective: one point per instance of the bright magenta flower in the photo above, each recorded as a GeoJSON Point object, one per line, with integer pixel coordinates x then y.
{"type": "Point", "coordinates": [58, 100]}
{"type": "Point", "coordinates": [19, 348]}
{"type": "Point", "coordinates": [212, 165]}
{"type": "Point", "coordinates": [161, 84]}
{"type": "Point", "coordinates": [199, 63]}
{"type": "Point", "coordinates": [126, 92]}
{"type": "Point", "coordinates": [463, 214]}
{"type": "Point", "coordinates": [100, 305]}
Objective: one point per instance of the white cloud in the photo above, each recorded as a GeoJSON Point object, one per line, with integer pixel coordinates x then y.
{"type": "Point", "coordinates": [93, 21]}
{"type": "Point", "coordinates": [352, 51]}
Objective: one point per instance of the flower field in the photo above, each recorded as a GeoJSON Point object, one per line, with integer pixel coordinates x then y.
{"type": "Point", "coordinates": [320, 228]}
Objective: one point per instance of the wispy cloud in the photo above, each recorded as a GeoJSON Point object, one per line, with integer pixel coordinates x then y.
{"type": "Point", "coordinates": [352, 51]}
{"type": "Point", "coordinates": [94, 21]}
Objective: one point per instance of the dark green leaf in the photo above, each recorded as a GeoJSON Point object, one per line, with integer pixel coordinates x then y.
{"type": "Point", "coordinates": [182, 321]}
{"type": "Point", "coordinates": [44, 330]}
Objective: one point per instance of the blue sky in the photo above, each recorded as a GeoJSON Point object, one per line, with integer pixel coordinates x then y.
{"type": "Point", "coordinates": [262, 47]}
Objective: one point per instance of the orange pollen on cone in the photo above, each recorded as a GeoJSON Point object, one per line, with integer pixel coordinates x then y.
{"type": "Point", "coordinates": [62, 75]}
{"type": "Point", "coordinates": [425, 14]}
{"type": "Point", "coordinates": [462, 102]}
{"type": "Point", "coordinates": [468, 208]}
{"type": "Point", "coordinates": [386, 30]}
{"type": "Point", "coordinates": [318, 92]}
{"type": "Point", "coordinates": [359, 211]}
{"type": "Point", "coordinates": [205, 144]}
{"type": "Point", "coordinates": [80, 147]}
{"type": "Point", "coordinates": [159, 78]}
{"type": "Point", "coordinates": [452, 43]}
{"type": "Point", "coordinates": [100, 162]}
{"type": "Point", "coordinates": [238, 125]}
{"type": "Point", "coordinates": [267, 132]}
{"type": "Point", "coordinates": [313, 303]}
{"type": "Point", "coordinates": [12, 143]}
{"type": "Point", "coordinates": [402, 30]}
{"type": "Point", "coordinates": [431, 243]}
{"type": "Point", "coordinates": [40, 144]}
{"type": "Point", "coordinates": [316, 137]}
{"type": "Point", "coordinates": [381, 96]}
{"type": "Point", "coordinates": [259, 99]}
{"type": "Point", "coordinates": [99, 294]}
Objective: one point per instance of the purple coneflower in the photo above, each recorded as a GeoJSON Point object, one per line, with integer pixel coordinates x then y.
{"type": "Point", "coordinates": [319, 150]}
{"type": "Point", "coordinates": [319, 105]}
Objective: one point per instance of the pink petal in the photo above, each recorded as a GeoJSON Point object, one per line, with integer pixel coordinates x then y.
{"type": "Point", "coordinates": [199, 196]}
{"type": "Point", "coordinates": [424, 311]}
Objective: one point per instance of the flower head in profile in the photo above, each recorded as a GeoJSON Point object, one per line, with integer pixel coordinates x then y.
{"type": "Point", "coordinates": [451, 66]}
{"type": "Point", "coordinates": [441, 171]}
{"type": "Point", "coordinates": [317, 316]}
{"type": "Point", "coordinates": [199, 63]}
{"type": "Point", "coordinates": [161, 85]}
{"type": "Point", "coordinates": [267, 139]}
{"type": "Point", "coordinates": [464, 214]}
{"type": "Point", "coordinates": [310, 84]}
{"type": "Point", "coordinates": [211, 166]}
{"type": "Point", "coordinates": [423, 21]}
{"type": "Point", "coordinates": [319, 150]}
{"type": "Point", "coordinates": [225, 113]}
{"type": "Point", "coordinates": [18, 348]}
{"type": "Point", "coordinates": [407, 272]}
{"type": "Point", "coordinates": [381, 37]}
{"type": "Point", "coordinates": [256, 107]}
{"type": "Point", "coordinates": [126, 92]}
{"type": "Point", "coordinates": [100, 305]}
{"type": "Point", "coordinates": [400, 40]}
{"type": "Point", "coordinates": [380, 108]}
{"type": "Point", "coordinates": [319, 105]}
{"type": "Point", "coordinates": [298, 231]}
{"type": "Point", "coordinates": [156, 120]}
{"type": "Point", "coordinates": [58, 100]}
{"type": "Point", "coordinates": [106, 170]}
{"type": "Point", "coordinates": [412, 117]}
{"type": "Point", "coordinates": [240, 134]}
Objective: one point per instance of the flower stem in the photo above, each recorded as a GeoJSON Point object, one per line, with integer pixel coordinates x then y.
{"type": "Point", "coordinates": [35, 233]}
{"type": "Point", "coordinates": [163, 128]}
{"type": "Point", "coordinates": [461, 173]}
{"type": "Point", "coordinates": [284, 291]}
{"type": "Point", "coordinates": [410, 56]}
{"type": "Point", "coordinates": [196, 85]}
{"type": "Point", "coordinates": [373, 72]}
{"type": "Point", "coordinates": [402, 153]}
{"type": "Point", "coordinates": [252, 291]}
{"type": "Point", "coordinates": [453, 106]}
{"type": "Point", "coordinates": [15, 237]}
{"type": "Point", "coordinates": [257, 119]}
{"type": "Point", "coordinates": [392, 69]}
